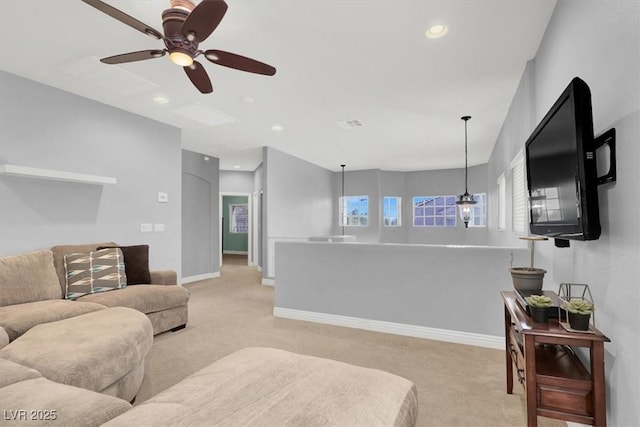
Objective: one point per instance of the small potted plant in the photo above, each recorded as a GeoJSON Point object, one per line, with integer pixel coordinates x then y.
{"type": "Point", "coordinates": [579, 313]}
{"type": "Point", "coordinates": [539, 307]}
{"type": "Point", "coordinates": [528, 278]}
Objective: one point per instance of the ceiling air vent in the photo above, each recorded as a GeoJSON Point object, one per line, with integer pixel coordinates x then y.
{"type": "Point", "coordinates": [350, 124]}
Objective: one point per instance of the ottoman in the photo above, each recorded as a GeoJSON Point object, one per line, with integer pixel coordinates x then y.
{"type": "Point", "coordinates": [269, 387]}
{"type": "Point", "coordinates": [101, 351]}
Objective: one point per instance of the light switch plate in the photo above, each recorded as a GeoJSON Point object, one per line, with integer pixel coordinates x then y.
{"type": "Point", "coordinates": [146, 228]}
{"type": "Point", "coordinates": [158, 227]}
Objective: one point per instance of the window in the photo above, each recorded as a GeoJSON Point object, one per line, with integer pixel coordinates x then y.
{"type": "Point", "coordinates": [518, 182]}
{"type": "Point", "coordinates": [502, 203]}
{"type": "Point", "coordinates": [434, 211]}
{"type": "Point", "coordinates": [392, 211]}
{"type": "Point", "coordinates": [354, 211]}
{"type": "Point", "coordinates": [479, 215]}
{"type": "Point", "coordinates": [239, 215]}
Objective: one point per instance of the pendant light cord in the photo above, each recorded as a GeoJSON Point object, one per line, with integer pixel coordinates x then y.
{"type": "Point", "coordinates": [466, 165]}
{"type": "Point", "coordinates": [342, 213]}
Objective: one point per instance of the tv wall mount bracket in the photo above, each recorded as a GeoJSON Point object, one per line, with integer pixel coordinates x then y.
{"type": "Point", "coordinates": [607, 139]}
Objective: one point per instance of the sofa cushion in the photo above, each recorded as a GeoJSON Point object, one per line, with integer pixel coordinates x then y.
{"type": "Point", "coordinates": [48, 403]}
{"type": "Point", "coordinates": [4, 337]}
{"type": "Point", "coordinates": [136, 263]}
{"type": "Point", "coordinates": [147, 299]}
{"type": "Point", "coordinates": [28, 277]}
{"type": "Point", "coordinates": [94, 272]}
{"type": "Point", "coordinates": [92, 351]}
{"type": "Point", "coordinates": [13, 372]}
{"type": "Point", "coordinates": [19, 318]}
{"type": "Point", "coordinates": [58, 259]}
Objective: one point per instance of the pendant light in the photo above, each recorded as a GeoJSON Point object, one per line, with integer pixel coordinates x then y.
{"type": "Point", "coordinates": [465, 201]}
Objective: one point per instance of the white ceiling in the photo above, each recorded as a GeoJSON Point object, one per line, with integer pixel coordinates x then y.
{"type": "Point", "coordinates": [336, 60]}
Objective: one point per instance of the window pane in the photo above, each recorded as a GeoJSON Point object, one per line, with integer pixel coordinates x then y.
{"type": "Point", "coordinates": [352, 209]}
{"type": "Point", "coordinates": [438, 211]}
{"type": "Point", "coordinates": [239, 222]}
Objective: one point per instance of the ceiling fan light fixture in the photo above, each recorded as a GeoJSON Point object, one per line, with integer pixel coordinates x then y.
{"type": "Point", "coordinates": [181, 58]}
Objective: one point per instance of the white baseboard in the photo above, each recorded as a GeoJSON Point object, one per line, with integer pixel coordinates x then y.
{"type": "Point", "coordinates": [198, 277]}
{"type": "Point", "coordinates": [235, 252]}
{"type": "Point", "coordinates": [479, 340]}
{"type": "Point", "coordinates": [268, 282]}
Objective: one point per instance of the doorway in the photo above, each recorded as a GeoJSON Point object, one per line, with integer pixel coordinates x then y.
{"type": "Point", "coordinates": [235, 228]}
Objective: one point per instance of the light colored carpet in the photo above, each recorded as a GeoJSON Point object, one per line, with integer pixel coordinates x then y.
{"type": "Point", "coordinates": [458, 385]}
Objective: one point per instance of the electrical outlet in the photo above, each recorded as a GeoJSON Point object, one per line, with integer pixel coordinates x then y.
{"type": "Point", "coordinates": [163, 197]}
{"type": "Point", "coordinates": [146, 228]}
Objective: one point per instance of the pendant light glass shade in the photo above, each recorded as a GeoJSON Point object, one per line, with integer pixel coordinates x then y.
{"type": "Point", "coordinates": [465, 204]}
{"type": "Point", "coordinates": [465, 201]}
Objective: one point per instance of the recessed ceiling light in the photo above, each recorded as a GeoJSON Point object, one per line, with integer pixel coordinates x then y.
{"type": "Point", "coordinates": [437, 31]}
{"type": "Point", "coordinates": [277, 128]}
{"type": "Point", "coordinates": [160, 99]}
{"type": "Point", "coordinates": [237, 166]}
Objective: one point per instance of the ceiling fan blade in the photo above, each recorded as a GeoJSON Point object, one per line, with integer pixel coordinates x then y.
{"type": "Point", "coordinates": [133, 56]}
{"type": "Point", "coordinates": [124, 18]}
{"type": "Point", "coordinates": [204, 19]}
{"type": "Point", "coordinates": [232, 60]}
{"type": "Point", "coordinates": [199, 77]}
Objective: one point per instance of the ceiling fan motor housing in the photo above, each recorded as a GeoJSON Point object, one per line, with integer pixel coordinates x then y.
{"type": "Point", "coordinates": [174, 39]}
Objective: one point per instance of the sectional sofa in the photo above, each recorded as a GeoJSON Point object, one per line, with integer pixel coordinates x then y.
{"type": "Point", "coordinates": [80, 362]}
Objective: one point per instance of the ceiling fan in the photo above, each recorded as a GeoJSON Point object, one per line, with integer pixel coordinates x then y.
{"type": "Point", "coordinates": [185, 27]}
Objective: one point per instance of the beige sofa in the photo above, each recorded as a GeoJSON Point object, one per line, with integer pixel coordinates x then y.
{"type": "Point", "coordinates": [33, 285]}
{"type": "Point", "coordinates": [98, 341]}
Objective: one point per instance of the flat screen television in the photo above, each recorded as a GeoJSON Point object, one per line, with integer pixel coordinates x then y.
{"type": "Point", "coordinates": [561, 169]}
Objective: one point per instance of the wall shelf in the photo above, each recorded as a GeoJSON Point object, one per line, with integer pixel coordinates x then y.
{"type": "Point", "coordinates": [54, 175]}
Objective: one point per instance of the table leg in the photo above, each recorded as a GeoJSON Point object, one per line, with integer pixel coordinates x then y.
{"type": "Point", "coordinates": [509, 359]}
{"type": "Point", "coordinates": [597, 380]}
{"type": "Point", "coordinates": [530, 380]}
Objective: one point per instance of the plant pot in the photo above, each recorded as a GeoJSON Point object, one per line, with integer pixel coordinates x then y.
{"type": "Point", "coordinates": [579, 322]}
{"type": "Point", "coordinates": [527, 279]}
{"type": "Point", "coordinates": [539, 314]}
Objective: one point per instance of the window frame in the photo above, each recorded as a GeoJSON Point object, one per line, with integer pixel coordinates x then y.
{"type": "Point", "coordinates": [398, 215]}
{"type": "Point", "coordinates": [343, 217]}
{"type": "Point", "coordinates": [233, 221]}
{"type": "Point", "coordinates": [502, 202]}
{"type": "Point", "coordinates": [435, 216]}
{"type": "Point", "coordinates": [519, 215]}
{"type": "Point", "coordinates": [482, 214]}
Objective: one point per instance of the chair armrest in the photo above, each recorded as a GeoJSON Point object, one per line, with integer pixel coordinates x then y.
{"type": "Point", "coordinates": [164, 277]}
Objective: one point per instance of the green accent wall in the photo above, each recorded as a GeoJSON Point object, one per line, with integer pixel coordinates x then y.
{"type": "Point", "coordinates": [233, 241]}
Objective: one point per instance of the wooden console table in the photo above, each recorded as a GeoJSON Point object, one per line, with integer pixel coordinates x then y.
{"type": "Point", "coordinates": [556, 383]}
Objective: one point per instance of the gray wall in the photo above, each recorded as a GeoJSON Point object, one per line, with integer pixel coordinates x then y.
{"type": "Point", "coordinates": [298, 201]}
{"type": "Point", "coordinates": [43, 127]}
{"type": "Point", "coordinates": [377, 184]}
{"type": "Point", "coordinates": [200, 214]}
{"type": "Point", "coordinates": [236, 182]}
{"type": "Point", "coordinates": [419, 285]}
{"type": "Point", "coordinates": [609, 61]}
